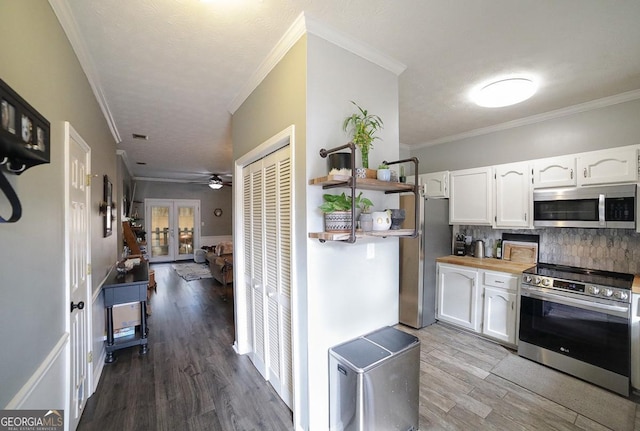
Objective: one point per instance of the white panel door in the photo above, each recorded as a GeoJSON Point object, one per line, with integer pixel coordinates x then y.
{"type": "Point", "coordinates": [77, 252]}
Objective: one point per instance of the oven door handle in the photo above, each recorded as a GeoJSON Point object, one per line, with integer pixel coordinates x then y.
{"type": "Point", "coordinates": [621, 311]}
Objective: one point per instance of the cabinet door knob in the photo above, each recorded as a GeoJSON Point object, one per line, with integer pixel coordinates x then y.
{"type": "Point", "coordinates": [585, 172]}
{"type": "Point", "coordinates": [571, 174]}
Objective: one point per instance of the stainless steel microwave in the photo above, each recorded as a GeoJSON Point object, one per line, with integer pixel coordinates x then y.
{"type": "Point", "coordinates": [587, 207]}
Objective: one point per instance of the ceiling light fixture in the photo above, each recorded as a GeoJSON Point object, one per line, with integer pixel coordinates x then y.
{"type": "Point", "coordinates": [215, 182]}
{"type": "Point", "coordinates": [504, 92]}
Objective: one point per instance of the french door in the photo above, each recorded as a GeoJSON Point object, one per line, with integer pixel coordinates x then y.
{"type": "Point", "coordinates": [173, 228]}
{"type": "Point", "coordinates": [267, 248]}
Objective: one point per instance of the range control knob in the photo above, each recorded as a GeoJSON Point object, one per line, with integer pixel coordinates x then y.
{"type": "Point", "coordinates": [606, 292]}
{"type": "Point", "coordinates": [619, 294]}
{"type": "Point", "coordinates": [546, 282]}
{"type": "Point", "coordinates": [594, 290]}
{"type": "Point", "coordinates": [536, 280]}
{"type": "Point", "coordinates": [527, 278]}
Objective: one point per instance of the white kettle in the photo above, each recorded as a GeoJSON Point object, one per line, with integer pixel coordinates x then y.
{"type": "Point", "coordinates": [381, 220]}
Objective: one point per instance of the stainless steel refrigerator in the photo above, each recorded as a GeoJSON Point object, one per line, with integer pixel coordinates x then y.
{"type": "Point", "coordinates": [418, 259]}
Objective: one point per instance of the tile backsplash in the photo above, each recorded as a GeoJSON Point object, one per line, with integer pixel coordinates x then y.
{"type": "Point", "coordinates": [606, 249]}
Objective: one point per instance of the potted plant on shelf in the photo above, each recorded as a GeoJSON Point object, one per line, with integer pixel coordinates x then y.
{"type": "Point", "coordinates": [384, 173]}
{"type": "Point", "coordinates": [366, 219]}
{"type": "Point", "coordinates": [363, 126]}
{"type": "Point", "coordinates": [403, 178]}
{"type": "Point", "coordinates": [337, 211]}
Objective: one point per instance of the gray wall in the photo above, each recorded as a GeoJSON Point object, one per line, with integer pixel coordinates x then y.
{"type": "Point", "coordinates": [37, 61]}
{"type": "Point", "coordinates": [209, 200]}
{"type": "Point", "coordinates": [612, 126]}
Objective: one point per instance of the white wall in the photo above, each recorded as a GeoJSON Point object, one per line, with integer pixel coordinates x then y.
{"type": "Point", "coordinates": [348, 294]}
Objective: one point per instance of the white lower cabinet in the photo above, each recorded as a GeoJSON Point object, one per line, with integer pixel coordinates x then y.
{"type": "Point", "coordinates": [458, 296]}
{"type": "Point", "coordinates": [499, 314]}
{"type": "Point", "coordinates": [483, 301]}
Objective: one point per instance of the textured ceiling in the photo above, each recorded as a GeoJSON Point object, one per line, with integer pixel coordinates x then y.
{"type": "Point", "coordinates": [170, 69]}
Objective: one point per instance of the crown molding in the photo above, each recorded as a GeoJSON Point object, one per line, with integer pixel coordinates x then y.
{"type": "Point", "coordinates": [305, 24]}
{"type": "Point", "coordinates": [67, 21]}
{"type": "Point", "coordinates": [354, 46]}
{"type": "Point", "coordinates": [127, 164]}
{"type": "Point", "coordinates": [558, 113]}
{"type": "Point", "coordinates": [286, 42]}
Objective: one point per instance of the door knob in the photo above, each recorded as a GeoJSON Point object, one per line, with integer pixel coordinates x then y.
{"type": "Point", "coordinates": [79, 306]}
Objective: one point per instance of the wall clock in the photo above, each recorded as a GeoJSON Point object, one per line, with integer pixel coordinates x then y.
{"type": "Point", "coordinates": [217, 212]}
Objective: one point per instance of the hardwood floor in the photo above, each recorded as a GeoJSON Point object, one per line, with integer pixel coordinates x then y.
{"type": "Point", "coordinates": [191, 379]}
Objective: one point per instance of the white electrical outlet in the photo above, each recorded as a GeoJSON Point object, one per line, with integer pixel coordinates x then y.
{"type": "Point", "coordinates": [371, 250]}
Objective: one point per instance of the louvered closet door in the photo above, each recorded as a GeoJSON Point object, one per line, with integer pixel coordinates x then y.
{"type": "Point", "coordinates": [277, 255]}
{"type": "Point", "coordinates": [267, 254]}
{"type": "Point", "coordinates": [256, 290]}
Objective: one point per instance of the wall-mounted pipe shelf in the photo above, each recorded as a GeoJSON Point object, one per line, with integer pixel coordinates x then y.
{"type": "Point", "coordinates": [354, 183]}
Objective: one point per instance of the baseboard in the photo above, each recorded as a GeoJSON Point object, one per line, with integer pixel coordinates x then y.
{"type": "Point", "coordinates": [44, 384]}
{"type": "Point", "coordinates": [98, 366]}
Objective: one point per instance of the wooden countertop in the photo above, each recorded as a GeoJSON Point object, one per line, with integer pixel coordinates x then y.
{"type": "Point", "coordinates": [491, 264]}
{"type": "Point", "coordinates": [636, 285]}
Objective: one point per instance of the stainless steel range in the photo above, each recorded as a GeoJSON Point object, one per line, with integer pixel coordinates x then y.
{"type": "Point", "coordinates": [577, 320]}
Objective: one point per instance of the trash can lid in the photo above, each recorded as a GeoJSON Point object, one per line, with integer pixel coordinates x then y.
{"type": "Point", "coordinates": [392, 339]}
{"type": "Point", "coordinates": [360, 353]}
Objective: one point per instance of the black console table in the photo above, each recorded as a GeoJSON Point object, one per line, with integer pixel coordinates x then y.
{"type": "Point", "coordinates": [122, 288]}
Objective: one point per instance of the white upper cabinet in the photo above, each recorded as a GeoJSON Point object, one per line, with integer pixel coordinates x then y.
{"type": "Point", "coordinates": [608, 166]}
{"type": "Point", "coordinates": [435, 185]}
{"type": "Point", "coordinates": [513, 195]}
{"type": "Point", "coordinates": [554, 172]}
{"type": "Point", "coordinates": [471, 197]}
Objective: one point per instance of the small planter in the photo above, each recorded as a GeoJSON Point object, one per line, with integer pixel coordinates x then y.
{"type": "Point", "coordinates": [384, 174]}
{"type": "Point", "coordinates": [338, 221]}
{"type": "Point", "coordinates": [366, 222]}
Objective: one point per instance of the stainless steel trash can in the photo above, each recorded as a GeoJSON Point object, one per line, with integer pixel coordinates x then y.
{"type": "Point", "coordinates": [374, 382]}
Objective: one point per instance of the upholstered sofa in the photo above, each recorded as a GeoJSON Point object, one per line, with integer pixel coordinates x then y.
{"type": "Point", "coordinates": [221, 262]}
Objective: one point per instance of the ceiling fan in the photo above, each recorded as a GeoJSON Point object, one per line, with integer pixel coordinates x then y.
{"type": "Point", "coordinates": [215, 182]}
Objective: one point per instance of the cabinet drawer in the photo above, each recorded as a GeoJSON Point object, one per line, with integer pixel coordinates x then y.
{"type": "Point", "coordinates": [499, 279]}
